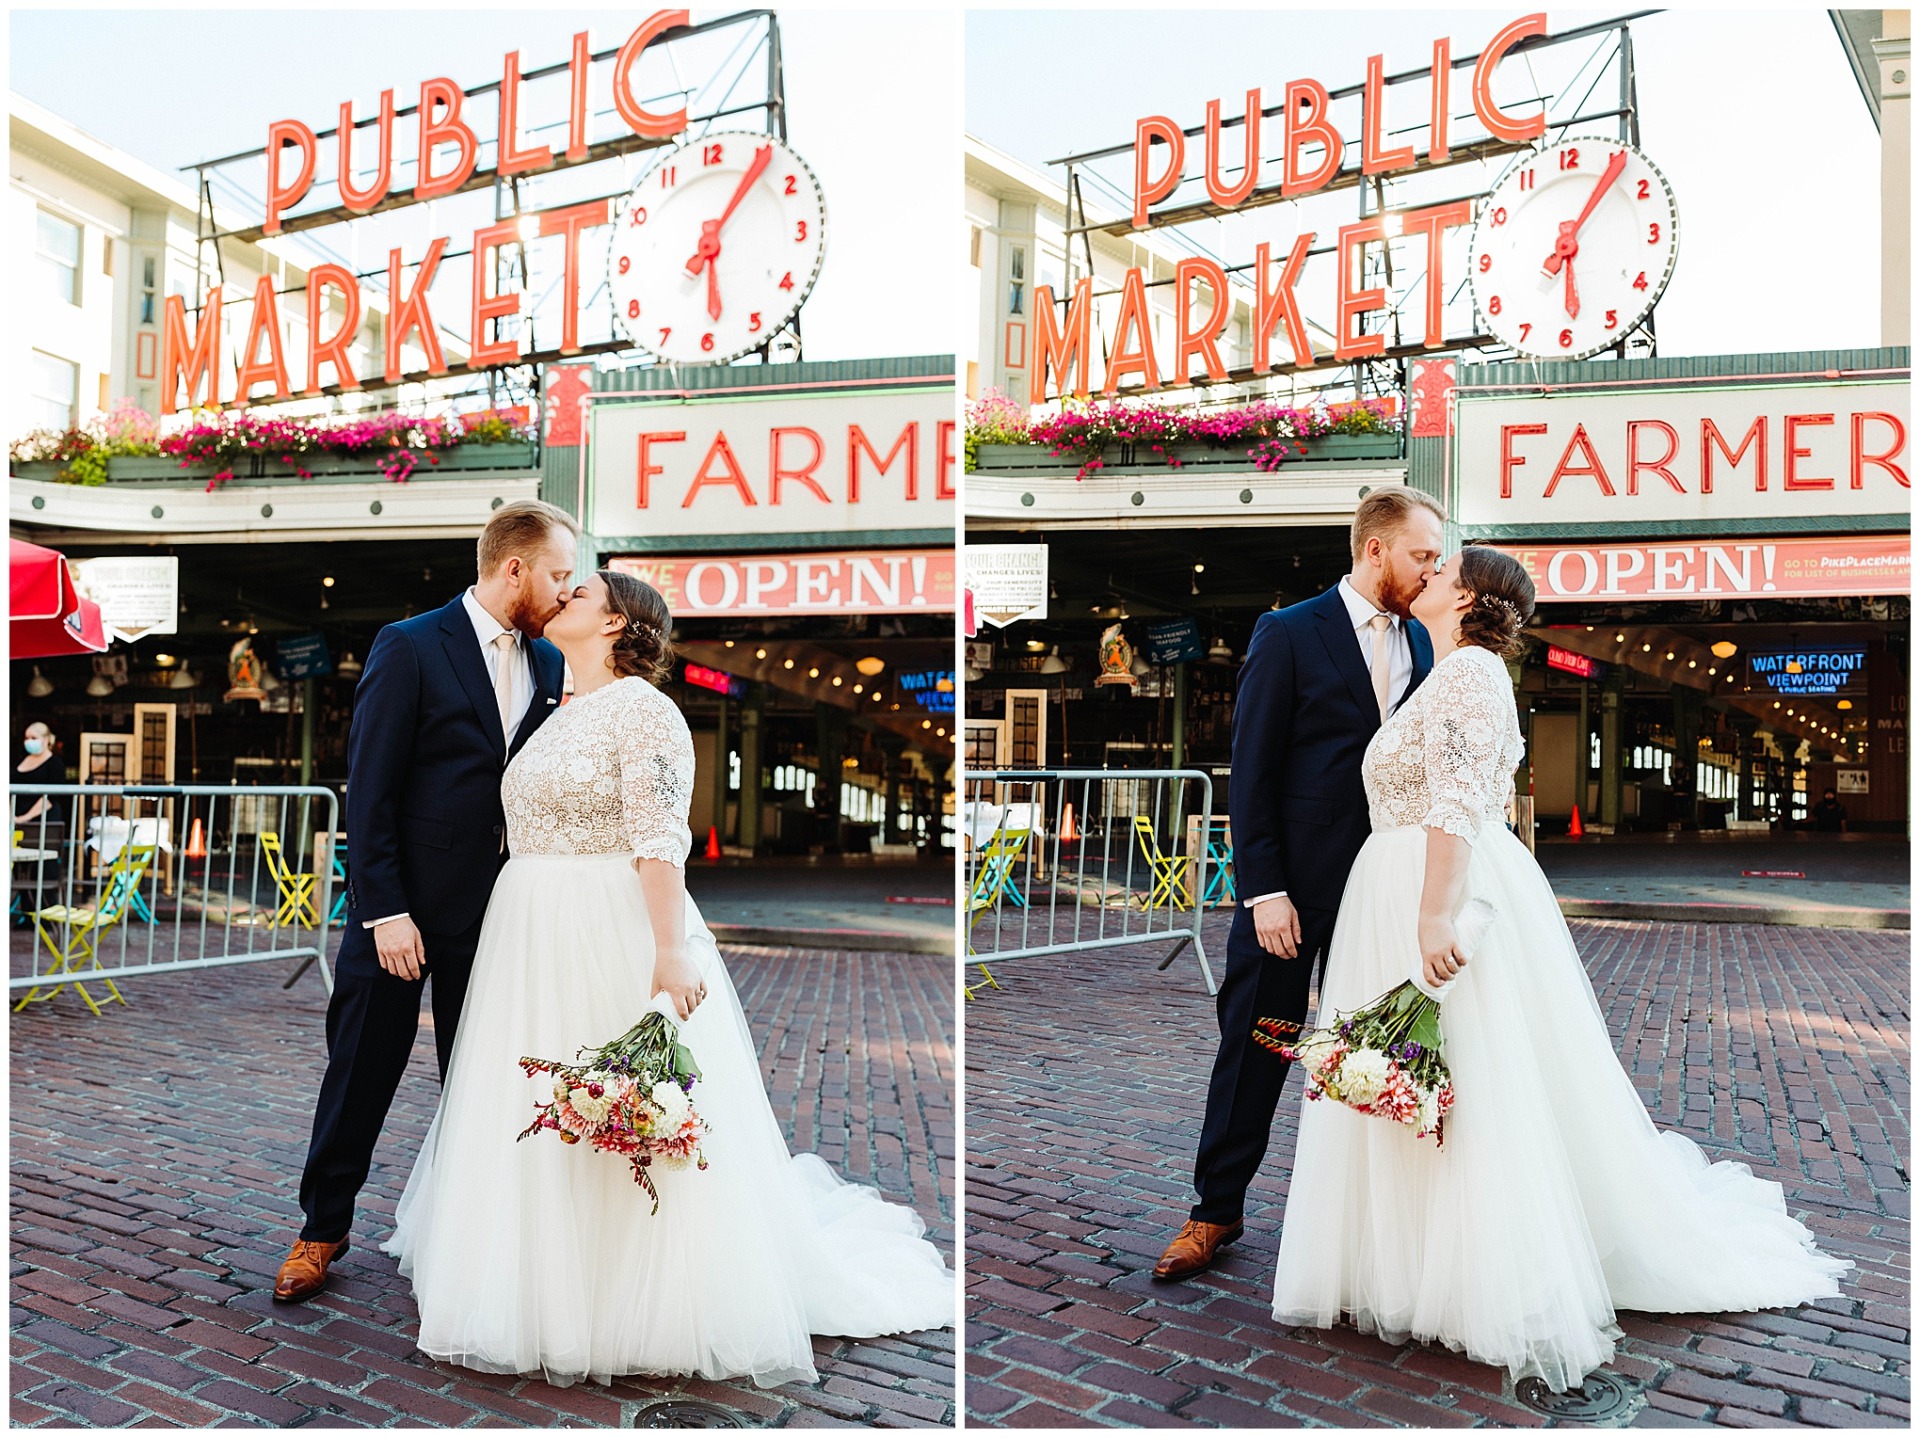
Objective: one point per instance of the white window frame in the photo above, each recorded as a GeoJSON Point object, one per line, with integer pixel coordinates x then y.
{"type": "Point", "coordinates": [74, 267]}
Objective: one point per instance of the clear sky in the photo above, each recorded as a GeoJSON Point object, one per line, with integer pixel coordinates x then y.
{"type": "Point", "coordinates": [867, 110]}
{"type": "Point", "coordinates": [1753, 115]}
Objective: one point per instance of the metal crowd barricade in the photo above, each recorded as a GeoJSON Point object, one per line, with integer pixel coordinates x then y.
{"type": "Point", "coordinates": [116, 882]}
{"type": "Point", "coordinates": [1064, 860]}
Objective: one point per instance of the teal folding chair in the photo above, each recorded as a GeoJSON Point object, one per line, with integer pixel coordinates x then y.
{"type": "Point", "coordinates": [1219, 865]}
{"type": "Point", "coordinates": [337, 915]}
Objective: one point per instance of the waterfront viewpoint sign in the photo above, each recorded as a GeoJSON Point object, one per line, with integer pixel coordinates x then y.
{"type": "Point", "coordinates": [448, 153]}
{"type": "Point", "coordinates": [1312, 150]}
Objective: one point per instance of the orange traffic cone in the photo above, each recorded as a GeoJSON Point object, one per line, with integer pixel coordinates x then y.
{"type": "Point", "coordinates": [1069, 832]}
{"type": "Point", "coordinates": [713, 842]}
{"type": "Point", "coordinates": [1574, 831]}
{"type": "Point", "coordinates": [197, 842]}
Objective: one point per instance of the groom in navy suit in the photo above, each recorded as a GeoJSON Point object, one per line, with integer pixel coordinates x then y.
{"type": "Point", "coordinates": [1319, 680]}
{"type": "Point", "coordinates": [446, 700]}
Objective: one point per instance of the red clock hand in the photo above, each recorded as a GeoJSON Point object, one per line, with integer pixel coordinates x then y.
{"type": "Point", "coordinates": [713, 290]}
{"type": "Point", "coordinates": [1566, 247]}
{"type": "Point", "coordinates": [710, 229]}
{"type": "Point", "coordinates": [1573, 295]}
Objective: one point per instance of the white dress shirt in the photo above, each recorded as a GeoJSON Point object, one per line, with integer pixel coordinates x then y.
{"type": "Point", "coordinates": [485, 629]}
{"type": "Point", "coordinates": [1361, 610]}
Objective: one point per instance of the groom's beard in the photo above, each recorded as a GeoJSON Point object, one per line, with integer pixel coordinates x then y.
{"type": "Point", "coordinates": [526, 615]}
{"type": "Point", "coordinates": [1398, 599]}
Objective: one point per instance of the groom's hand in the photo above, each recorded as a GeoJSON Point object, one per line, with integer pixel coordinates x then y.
{"type": "Point", "coordinates": [1277, 924]}
{"type": "Point", "coordinates": [401, 951]}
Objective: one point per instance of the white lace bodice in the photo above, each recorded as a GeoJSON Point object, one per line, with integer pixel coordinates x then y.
{"type": "Point", "coordinates": [611, 773]}
{"type": "Point", "coordinates": [1446, 756]}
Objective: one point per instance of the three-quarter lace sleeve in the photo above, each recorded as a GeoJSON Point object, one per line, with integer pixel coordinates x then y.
{"type": "Point", "coordinates": [656, 775]}
{"type": "Point", "coordinates": [1468, 761]}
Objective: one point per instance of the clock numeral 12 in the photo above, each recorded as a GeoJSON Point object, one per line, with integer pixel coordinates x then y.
{"type": "Point", "coordinates": [1570, 159]}
{"type": "Point", "coordinates": [710, 155]}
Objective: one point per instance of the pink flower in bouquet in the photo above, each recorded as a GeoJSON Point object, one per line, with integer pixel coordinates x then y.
{"type": "Point", "coordinates": [1446, 1099]}
{"type": "Point", "coordinates": [1399, 1097]}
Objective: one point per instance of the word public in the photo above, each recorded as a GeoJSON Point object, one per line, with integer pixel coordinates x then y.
{"type": "Point", "coordinates": [292, 156]}
{"type": "Point", "coordinates": [1065, 349]}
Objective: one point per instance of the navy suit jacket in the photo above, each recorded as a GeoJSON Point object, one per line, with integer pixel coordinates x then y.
{"type": "Point", "coordinates": [1302, 718]}
{"type": "Point", "coordinates": [424, 757]}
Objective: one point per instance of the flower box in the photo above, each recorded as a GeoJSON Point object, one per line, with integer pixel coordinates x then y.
{"type": "Point", "coordinates": [1139, 458]}
{"type": "Point", "coordinates": [458, 462]}
{"type": "Point", "coordinates": [46, 470]}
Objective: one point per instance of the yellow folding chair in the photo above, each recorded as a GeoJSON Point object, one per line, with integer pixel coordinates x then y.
{"type": "Point", "coordinates": [1169, 873]}
{"type": "Point", "coordinates": [83, 924]}
{"type": "Point", "coordinates": [991, 880]}
{"type": "Point", "coordinates": [297, 902]}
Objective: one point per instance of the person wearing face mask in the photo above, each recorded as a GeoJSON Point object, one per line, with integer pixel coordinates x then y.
{"type": "Point", "coordinates": [38, 882]}
{"type": "Point", "coordinates": [42, 765]}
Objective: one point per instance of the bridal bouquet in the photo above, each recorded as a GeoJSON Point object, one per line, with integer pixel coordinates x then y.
{"type": "Point", "coordinates": [632, 1097]}
{"type": "Point", "coordinates": [1383, 1060]}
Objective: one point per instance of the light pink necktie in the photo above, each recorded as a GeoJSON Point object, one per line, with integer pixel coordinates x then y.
{"type": "Point", "coordinates": [1382, 667]}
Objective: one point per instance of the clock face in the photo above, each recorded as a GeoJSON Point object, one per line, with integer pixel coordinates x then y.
{"type": "Point", "coordinates": [716, 247]}
{"type": "Point", "coordinates": [1572, 247]}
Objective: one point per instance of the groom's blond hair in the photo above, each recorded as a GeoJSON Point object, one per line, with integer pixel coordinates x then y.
{"type": "Point", "coordinates": [1384, 513]}
{"type": "Point", "coordinates": [521, 528]}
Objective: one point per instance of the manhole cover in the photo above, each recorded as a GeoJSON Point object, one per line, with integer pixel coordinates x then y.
{"type": "Point", "coordinates": [1599, 1398]}
{"type": "Point", "coordinates": [686, 1413]}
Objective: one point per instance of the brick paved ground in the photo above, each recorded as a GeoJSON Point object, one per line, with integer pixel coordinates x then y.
{"type": "Point", "coordinates": [155, 1165]}
{"type": "Point", "coordinates": [1085, 1076]}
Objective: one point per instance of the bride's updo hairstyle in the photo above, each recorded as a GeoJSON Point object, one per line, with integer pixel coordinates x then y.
{"type": "Point", "coordinates": [1502, 603]}
{"type": "Point", "coordinates": [642, 646]}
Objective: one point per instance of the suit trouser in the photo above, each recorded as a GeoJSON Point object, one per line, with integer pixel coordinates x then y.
{"type": "Point", "coordinates": [1247, 1076]}
{"type": "Point", "coordinates": [371, 1024]}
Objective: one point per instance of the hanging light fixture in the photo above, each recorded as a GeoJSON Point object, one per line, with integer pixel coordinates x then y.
{"type": "Point", "coordinates": [183, 678]}
{"type": "Point", "coordinates": [1221, 653]}
{"type": "Point", "coordinates": [39, 686]}
{"type": "Point", "coordinates": [348, 667]}
{"type": "Point", "coordinates": [1054, 663]}
{"type": "Point", "coordinates": [100, 686]}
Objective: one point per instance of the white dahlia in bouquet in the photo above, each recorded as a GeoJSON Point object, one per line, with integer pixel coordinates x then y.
{"type": "Point", "coordinates": [1383, 1060]}
{"type": "Point", "coordinates": [632, 1097]}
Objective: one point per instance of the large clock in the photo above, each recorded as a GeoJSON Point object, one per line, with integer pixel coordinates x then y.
{"type": "Point", "coordinates": [1572, 247]}
{"type": "Point", "coordinates": [716, 247]}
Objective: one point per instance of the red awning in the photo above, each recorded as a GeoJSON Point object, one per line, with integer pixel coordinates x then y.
{"type": "Point", "coordinates": [47, 617]}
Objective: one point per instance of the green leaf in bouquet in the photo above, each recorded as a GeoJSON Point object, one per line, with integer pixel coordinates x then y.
{"type": "Point", "coordinates": [1426, 1028]}
{"type": "Point", "coordinates": [683, 1065]}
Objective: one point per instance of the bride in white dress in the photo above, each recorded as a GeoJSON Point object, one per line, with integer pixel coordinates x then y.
{"type": "Point", "coordinates": [1555, 1200]}
{"type": "Point", "coordinates": [544, 1257]}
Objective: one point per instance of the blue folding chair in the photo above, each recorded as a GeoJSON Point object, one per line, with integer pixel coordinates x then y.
{"type": "Point", "coordinates": [337, 915]}
{"type": "Point", "coordinates": [1219, 865]}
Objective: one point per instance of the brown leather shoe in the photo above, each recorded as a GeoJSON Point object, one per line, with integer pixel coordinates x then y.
{"type": "Point", "coordinates": [1194, 1246]}
{"type": "Point", "coordinates": [305, 1271]}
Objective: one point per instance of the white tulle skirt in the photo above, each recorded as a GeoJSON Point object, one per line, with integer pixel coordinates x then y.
{"type": "Point", "coordinates": [1555, 1200]}
{"type": "Point", "coordinates": [543, 1257]}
